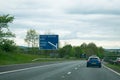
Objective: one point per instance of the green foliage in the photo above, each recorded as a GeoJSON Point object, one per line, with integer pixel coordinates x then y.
{"type": "Point", "coordinates": [66, 51]}
{"type": "Point", "coordinates": [82, 50]}
{"type": "Point", "coordinates": [100, 52]}
{"type": "Point", "coordinates": [4, 30]}
{"type": "Point", "coordinates": [92, 49]}
{"type": "Point", "coordinates": [32, 38]}
{"type": "Point", "coordinates": [77, 51]}
{"type": "Point", "coordinates": [13, 58]}
{"type": "Point", "coordinates": [113, 66]}
{"type": "Point", "coordinates": [6, 19]}
{"type": "Point", "coordinates": [6, 44]}
{"type": "Point", "coordinates": [61, 52]}
{"type": "Point", "coordinates": [84, 47]}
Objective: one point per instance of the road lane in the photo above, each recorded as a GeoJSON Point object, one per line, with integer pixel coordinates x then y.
{"type": "Point", "coordinates": [25, 65]}
{"type": "Point", "coordinates": [74, 70]}
{"type": "Point", "coordinates": [41, 73]}
{"type": "Point", "coordinates": [93, 73]}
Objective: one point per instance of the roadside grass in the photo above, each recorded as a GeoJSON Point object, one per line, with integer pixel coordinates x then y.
{"type": "Point", "coordinates": [19, 58]}
{"type": "Point", "coordinates": [16, 58]}
{"type": "Point", "coordinates": [113, 66]}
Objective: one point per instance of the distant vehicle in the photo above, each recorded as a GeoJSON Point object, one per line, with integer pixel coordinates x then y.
{"type": "Point", "coordinates": [94, 61]}
{"type": "Point", "coordinates": [118, 60]}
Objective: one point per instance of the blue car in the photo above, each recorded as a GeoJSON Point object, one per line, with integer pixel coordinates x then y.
{"type": "Point", "coordinates": [94, 61]}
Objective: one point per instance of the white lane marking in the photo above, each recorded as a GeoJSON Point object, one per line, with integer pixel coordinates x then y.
{"type": "Point", "coordinates": [69, 73]}
{"type": "Point", "coordinates": [111, 70]}
{"type": "Point", "coordinates": [63, 76]}
{"type": "Point", "coordinates": [18, 70]}
{"type": "Point", "coordinates": [76, 68]}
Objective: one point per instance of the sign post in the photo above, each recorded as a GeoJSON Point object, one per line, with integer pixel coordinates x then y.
{"type": "Point", "coordinates": [48, 42]}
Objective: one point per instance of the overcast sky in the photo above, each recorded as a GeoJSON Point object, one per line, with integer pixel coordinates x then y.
{"type": "Point", "coordinates": [75, 21]}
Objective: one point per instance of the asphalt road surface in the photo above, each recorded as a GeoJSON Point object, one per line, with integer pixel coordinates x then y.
{"type": "Point", "coordinates": [71, 70]}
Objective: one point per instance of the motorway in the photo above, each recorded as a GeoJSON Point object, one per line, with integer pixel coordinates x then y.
{"type": "Point", "coordinates": [69, 70]}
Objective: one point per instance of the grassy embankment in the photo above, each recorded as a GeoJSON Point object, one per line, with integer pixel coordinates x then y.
{"type": "Point", "coordinates": [15, 58]}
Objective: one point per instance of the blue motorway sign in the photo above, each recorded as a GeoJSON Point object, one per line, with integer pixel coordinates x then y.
{"type": "Point", "coordinates": [48, 42]}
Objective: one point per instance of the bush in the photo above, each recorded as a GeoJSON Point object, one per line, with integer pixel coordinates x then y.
{"type": "Point", "coordinates": [7, 45]}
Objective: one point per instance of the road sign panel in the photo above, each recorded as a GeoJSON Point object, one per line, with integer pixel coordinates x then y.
{"type": "Point", "coordinates": [48, 42]}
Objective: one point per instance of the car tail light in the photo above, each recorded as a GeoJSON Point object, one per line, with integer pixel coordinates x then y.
{"type": "Point", "coordinates": [99, 60]}
{"type": "Point", "coordinates": [87, 60]}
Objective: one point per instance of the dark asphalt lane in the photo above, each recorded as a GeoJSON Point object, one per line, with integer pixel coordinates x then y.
{"type": "Point", "coordinates": [74, 70]}
{"type": "Point", "coordinates": [25, 65]}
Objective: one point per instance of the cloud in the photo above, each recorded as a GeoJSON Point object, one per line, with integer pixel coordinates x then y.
{"type": "Point", "coordinates": [105, 44]}
{"type": "Point", "coordinates": [95, 7]}
{"type": "Point", "coordinates": [75, 21]}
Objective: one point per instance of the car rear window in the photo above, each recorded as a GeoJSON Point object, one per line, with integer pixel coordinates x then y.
{"type": "Point", "coordinates": [94, 59]}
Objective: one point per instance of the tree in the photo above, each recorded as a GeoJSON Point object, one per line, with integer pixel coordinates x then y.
{"type": "Point", "coordinates": [84, 48]}
{"type": "Point", "coordinates": [66, 51]}
{"type": "Point", "coordinates": [92, 49]}
{"type": "Point", "coordinates": [78, 51]}
{"type": "Point", "coordinates": [5, 33]}
{"type": "Point", "coordinates": [8, 45]}
{"type": "Point", "coordinates": [4, 30]}
{"type": "Point", "coordinates": [32, 38]}
{"type": "Point", "coordinates": [100, 52]}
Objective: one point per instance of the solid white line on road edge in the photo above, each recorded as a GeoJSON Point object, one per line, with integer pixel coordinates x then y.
{"type": "Point", "coordinates": [18, 70]}
{"type": "Point", "coordinates": [36, 59]}
{"type": "Point", "coordinates": [112, 70]}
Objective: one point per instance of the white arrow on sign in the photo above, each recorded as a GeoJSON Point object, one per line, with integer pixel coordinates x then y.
{"type": "Point", "coordinates": [53, 44]}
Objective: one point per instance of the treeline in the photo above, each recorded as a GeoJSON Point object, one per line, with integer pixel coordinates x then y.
{"type": "Point", "coordinates": [68, 51]}
{"type": "Point", "coordinates": [82, 51]}
{"type": "Point", "coordinates": [7, 44]}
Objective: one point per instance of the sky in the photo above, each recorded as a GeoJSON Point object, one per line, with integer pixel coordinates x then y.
{"type": "Point", "coordinates": [75, 21]}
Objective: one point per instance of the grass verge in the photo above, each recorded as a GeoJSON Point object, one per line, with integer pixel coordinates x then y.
{"type": "Point", "coordinates": [18, 58]}
{"type": "Point", "coordinates": [113, 66]}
